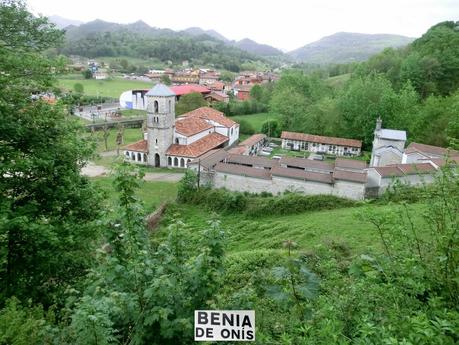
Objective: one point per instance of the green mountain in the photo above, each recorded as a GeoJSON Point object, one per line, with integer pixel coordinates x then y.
{"type": "Point", "coordinates": [195, 31]}
{"type": "Point", "coordinates": [139, 40]}
{"type": "Point", "coordinates": [344, 47]}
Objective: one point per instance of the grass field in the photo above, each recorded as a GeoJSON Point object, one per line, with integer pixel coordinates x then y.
{"type": "Point", "coordinates": [308, 230]}
{"type": "Point", "coordinates": [104, 88]}
{"type": "Point", "coordinates": [256, 120]}
{"type": "Point", "coordinates": [151, 193]}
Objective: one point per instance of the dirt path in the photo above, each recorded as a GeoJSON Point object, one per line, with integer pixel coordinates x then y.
{"type": "Point", "coordinates": [93, 170]}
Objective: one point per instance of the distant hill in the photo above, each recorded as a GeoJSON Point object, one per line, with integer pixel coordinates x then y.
{"type": "Point", "coordinates": [256, 48]}
{"type": "Point", "coordinates": [195, 31]}
{"type": "Point", "coordinates": [62, 22]}
{"type": "Point", "coordinates": [99, 38]}
{"type": "Point", "coordinates": [344, 47]}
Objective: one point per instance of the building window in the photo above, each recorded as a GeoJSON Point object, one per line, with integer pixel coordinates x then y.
{"type": "Point", "coordinates": [156, 141]}
{"type": "Point", "coordinates": [156, 106]}
{"type": "Point", "coordinates": [182, 163]}
{"type": "Point", "coordinates": [170, 106]}
{"type": "Point", "coordinates": [145, 157]}
{"type": "Point", "coordinates": [231, 131]}
{"type": "Point", "coordinates": [139, 159]}
{"type": "Point", "coordinates": [176, 140]}
{"type": "Point", "coordinates": [169, 161]}
{"type": "Point", "coordinates": [175, 162]}
{"type": "Point", "coordinates": [188, 162]}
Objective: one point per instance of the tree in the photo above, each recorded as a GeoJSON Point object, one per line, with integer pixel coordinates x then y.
{"type": "Point", "coordinates": [46, 206]}
{"type": "Point", "coordinates": [246, 127]}
{"type": "Point", "coordinates": [87, 74]}
{"type": "Point", "coordinates": [190, 102]}
{"type": "Point", "coordinates": [166, 80]}
{"type": "Point", "coordinates": [78, 88]}
{"type": "Point", "coordinates": [271, 128]}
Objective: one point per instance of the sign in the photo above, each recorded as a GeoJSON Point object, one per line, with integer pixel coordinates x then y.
{"type": "Point", "coordinates": [224, 325]}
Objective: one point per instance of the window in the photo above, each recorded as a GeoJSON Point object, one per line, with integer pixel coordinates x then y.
{"type": "Point", "coordinates": [182, 163]}
{"type": "Point", "coordinates": [175, 162]}
{"type": "Point", "coordinates": [156, 141]}
{"type": "Point", "coordinates": [169, 161]}
{"type": "Point", "coordinates": [176, 140]}
{"type": "Point", "coordinates": [231, 131]}
{"type": "Point", "coordinates": [139, 159]}
{"type": "Point", "coordinates": [145, 157]}
{"type": "Point", "coordinates": [156, 107]}
{"type": "Point", "coordinates": [170, 106]}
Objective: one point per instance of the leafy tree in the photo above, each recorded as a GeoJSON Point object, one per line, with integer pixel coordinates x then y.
{"type": "Point", "coordinates": [190, 102]}
{"type": "Point", "coordinates": [46, 206]}
{"type": "Point", "coordinates": [271, 128]}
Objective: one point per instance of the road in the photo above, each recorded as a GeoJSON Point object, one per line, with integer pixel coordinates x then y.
{"type": "Point", "coordinates": [105, 110]}
{"type": "Point", "coordinates": [93, 170]}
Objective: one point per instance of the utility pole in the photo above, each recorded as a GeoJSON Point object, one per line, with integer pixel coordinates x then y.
{"type": "Point", "coordinates": [199, 172]}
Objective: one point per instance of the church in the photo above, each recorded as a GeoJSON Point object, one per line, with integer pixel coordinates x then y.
{"type": "Point", "coordinates": [174, 142]}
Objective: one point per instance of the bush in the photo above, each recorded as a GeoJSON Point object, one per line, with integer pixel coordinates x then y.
{"type": "Point", "coordinates": [246, 127]}
{"type": "Point", "coordinates": [253, 205]}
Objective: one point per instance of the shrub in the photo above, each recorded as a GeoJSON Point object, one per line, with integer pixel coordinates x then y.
{"type": "Point", "coordinates": [271, 128]}
{"type": "Point", "coordinates": [246, 128]}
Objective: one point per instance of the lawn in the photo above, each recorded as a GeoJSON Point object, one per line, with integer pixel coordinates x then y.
{"type": "Point", "coordinates": [308, 230]}
{"type": "Point", "coordinates": [256, 120]}
{"type": "Point", "coordinates": [104, 88]}
{"type": "Point", "coordinates": [151, 193]}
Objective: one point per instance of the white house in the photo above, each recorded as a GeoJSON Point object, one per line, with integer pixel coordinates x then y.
{"type": "Point", "coordinates": [416, 152]}
{"type": "Point", "coordinates": [316, 143]}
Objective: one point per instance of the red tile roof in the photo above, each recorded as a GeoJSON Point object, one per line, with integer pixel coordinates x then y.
{"type": "Point", "coordinates": [405, 169]}
{"type": "Point", "coordinates": [253, 140]}
{"type": "Point", "coordinates": [360, 177]}
{"type": "Point", "coordinates": [429, 150]}
{"type": "Point", "coordinates": [243, 170]}
{"type": "Point", "coordinates": [189, 126]}
{"type": "Point", "coordinates": [181, 90]}
{"type": "Point", "coordinates": [139, 146]}
{"type": "Point", "coordinates": [321, 140]}
{"type": "Point", "coordinates": [238, 150]}
{"type": "Point", "coordinates": [211, 114]}
{"type": "Point", "coordinates": [199, 147]}
{"type": "Point", "coordinates": [218, 96]}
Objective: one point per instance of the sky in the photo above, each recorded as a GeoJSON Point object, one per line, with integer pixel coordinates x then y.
{"type": "Point", "coordinates": [284, 24]}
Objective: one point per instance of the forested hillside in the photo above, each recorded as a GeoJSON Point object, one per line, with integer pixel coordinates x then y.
{"type": "Point", "coordinates": [138, 40]}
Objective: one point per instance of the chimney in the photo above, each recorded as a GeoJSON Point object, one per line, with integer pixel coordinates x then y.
{"type": "Point", "coordinates": [378, 123]}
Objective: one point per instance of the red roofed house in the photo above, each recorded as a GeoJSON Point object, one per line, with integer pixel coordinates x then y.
{"type": "Point", "coordinates": [317, 143]}
{"type": "Point", "coordinates": [171, 142]}
{"type": "Point", "coordinates": [185, 89]}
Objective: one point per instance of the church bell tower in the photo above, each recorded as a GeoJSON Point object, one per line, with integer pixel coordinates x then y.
{"type": "Point", "coordinates": [160, 123]}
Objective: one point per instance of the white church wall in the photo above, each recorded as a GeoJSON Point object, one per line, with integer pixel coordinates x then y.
{"type": "Point", "coordinates": [348, 189]}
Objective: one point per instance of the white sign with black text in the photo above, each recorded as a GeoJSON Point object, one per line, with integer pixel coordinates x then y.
{"type": "Point", "coordinates": [224, 325]}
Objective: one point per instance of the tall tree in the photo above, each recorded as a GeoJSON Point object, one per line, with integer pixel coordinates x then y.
{"type": "Point", "coordinates": [46, 206]}
{"type": "Point", "coordinates": [190, 102]}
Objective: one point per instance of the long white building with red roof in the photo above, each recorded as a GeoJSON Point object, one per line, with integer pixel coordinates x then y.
{"type": "Point", "coordinates": [175, 142]}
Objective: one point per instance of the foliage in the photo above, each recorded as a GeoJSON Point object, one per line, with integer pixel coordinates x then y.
{"type": "Point", "coordinates": [87, 74]}
{"type": "Point", "coordinates": [220, 200]}
{"type": "Point", "coordinates": [166, 80]}
{"type": "Point", "coordinates": [189, 102]}
{"type": "Point", "coordinates": [47, 209]}
{"type": "Point", "coordinates": [271, 128]}
{"type": "Point", "coordinates": [246, 107]}
{"type": "Point", "coordinates": [141, 294]}
{"type": "Point", "coordinates": [246, 128]}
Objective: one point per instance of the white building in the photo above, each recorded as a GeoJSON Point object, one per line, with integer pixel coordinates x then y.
{"type": "Point", "coordinates": [388, 146]}
{"type": "Point", "coordinates": [171, 142]}
{"type": "Point", "coordinates": [316, 143]}
{"type": "Point", "coordinates": [417, 153]}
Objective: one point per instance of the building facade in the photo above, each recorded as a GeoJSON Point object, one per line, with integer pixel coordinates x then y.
{"type": "Point", "coordinates": [320, 144]}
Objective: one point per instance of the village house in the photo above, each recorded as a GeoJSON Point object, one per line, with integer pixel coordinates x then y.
{"type": "Point", "coordinates": [242, 92]}
{"type": "Point", "coordinates": [216, 97]}
{"type": "Point", "coordinates": [418, 153]}
{"type": "Point", "coordinates": [320, 144]}
{"type": "Point", "coordinates": [171, 142]}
